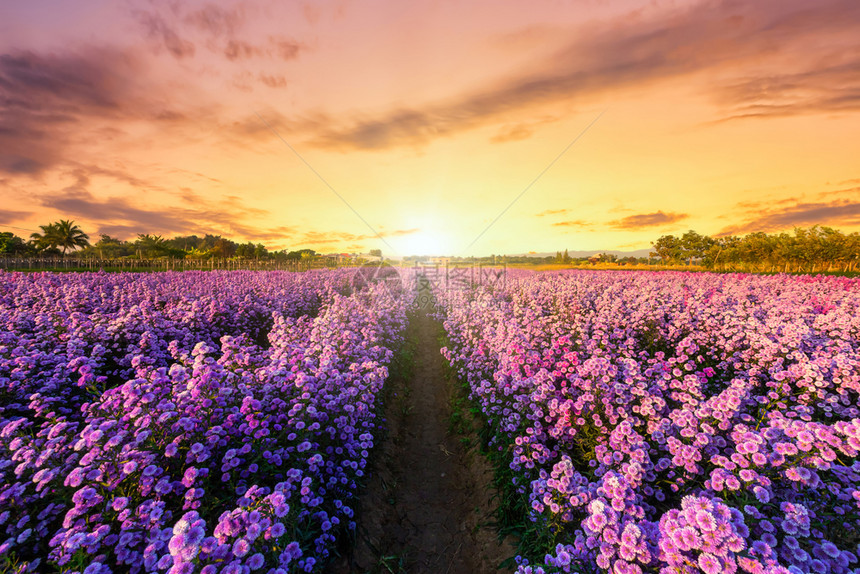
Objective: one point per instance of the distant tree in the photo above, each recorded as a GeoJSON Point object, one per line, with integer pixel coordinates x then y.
{"type": "Point", "coordinates": [375, 253]}
{"type": "Point", "coordinates": [807, 250]}
{"type": "Point", "coordinates": [188, 243]}
{"type": "Point", "coordinates": [608, 258]}
{"type": "Point", "coordinates": [151, 245]}
{"type": "Point", "coordinates": [108, 247]}
{"type": "Point", "coordinates": [70, 236]}
{"type": "Point", "coordinates": [223, 248]}
{"type": "Point", "coordinates": [48, 239]}
{"type": "Point", "coordinates": [245, 250]}
{"type": "Point", "coordinates": [566, 257]}
{"type": "Point", "coordinates": [694, 246]}
{"type": "Point", "coordinates": [12, 244]}
{"type": "Point", "coordinates": [63, 234]}
{"type": "Point", "coordinates": [668, 248]}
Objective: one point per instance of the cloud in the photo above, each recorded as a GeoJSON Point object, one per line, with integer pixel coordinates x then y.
{"type": "Point", "coordinates": [513, 133]}
{"type": "Point", "coordinates": [215, 20]}
{"type": "Point", "coordinates": [519, 131]}
{"type": "Point", "coordinates": [849, 192]}
{"type": "Point", "coordinates": [643, 220]}
{"type": "Point", "coordinates": [328, 237]}
{"type": "Point", "coordinates": [286, 49]}
{"type": "Point", "coordinates": [11, 216]}
{"type": "Point", "coordinates": [552, 212]}
{"type": "Point", "coordinates": [43, 99]}
{"type": "Point", "coordinates": [841, 212]}
{"type": "Point", "coordinates": [829, 89]}
{"type": "Point", "coordinates": [164, 35]}
{"type": "Point", "coordinates": [573, 223]}
{"type": "Point", "coordinates": [53, 102]}
{"type": "Point", "coordinates": [400, 232]}
{"type": "Point", "coordinates": [57, 107]}
{"type": "Point", "coordinates": [730, 40]}
{"type": "Point", "coordinates": [217, 28]}
{"type": "Point", "coordinates": [121, 215]}
{"type": "Point", "coordinates": [273, 81]}
{"type": "Point", "coordinates": [240, 50]}
{"type": "Point", "coordinates": [276, 47]}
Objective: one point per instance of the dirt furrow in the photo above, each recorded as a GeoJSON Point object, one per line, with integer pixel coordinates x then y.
{"type": "Point", "coordinates": [428, 507]}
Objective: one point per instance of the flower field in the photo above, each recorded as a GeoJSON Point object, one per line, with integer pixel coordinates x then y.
{"type": "Point", "coordinates": [670, 422]}
{"type": "Point", "coordinates": [186, 422]}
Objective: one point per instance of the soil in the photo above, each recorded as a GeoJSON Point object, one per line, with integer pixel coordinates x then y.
{"type": "Point", "coordinates": [429, 505]}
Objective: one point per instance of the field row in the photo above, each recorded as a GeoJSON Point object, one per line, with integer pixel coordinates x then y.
{"type": "Point", "coordinates": [212, 422]}
{"type": "Point", "coordinates": [669, 422]}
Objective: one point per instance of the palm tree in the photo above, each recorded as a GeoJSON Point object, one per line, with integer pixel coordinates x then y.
{"type": "Point", "coordinates": [151, 245]}
{"type": "Point", "coordinates": [62, 234]}
{"type": "Point", "coordinates": [47, 239]}
{"type": "Point", "coordinates": [70, 236]}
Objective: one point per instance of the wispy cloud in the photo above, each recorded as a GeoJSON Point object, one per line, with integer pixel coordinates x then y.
{"type": "Point", "coordinates": [730, 37]}
{"type": "Point", "coordinates": [834, 88]}
{"type": "Point", "coordinates": [273, 81]}
{"type": "Point", "coordinates": [216, 21]}
{"type": "Point", "coordinates": [315, 237]}
{"type": "Point", "coordinates": [840, 212]}
{"type": "Point", "coordinates": [163, 35]}
{"type": "Point", "coordinates": [219, 29]}
{"type": "Point", "coordinates": [552, 212]}
{"type": "Point", "coordinates": [644, 220]}
{"type": "Point", "coordinates": [51, 103]}
{"type": "Point", "coordinates": [519, 130]}
{"type": "Point", "coordinates": [573, 223]}
{"type": "Point", "coordinates": [12, 216]}
{"type": "Point", "coordinates": [228, 215]}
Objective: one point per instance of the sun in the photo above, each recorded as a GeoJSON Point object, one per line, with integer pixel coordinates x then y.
{"type": "Point", "coordinates": [422, 243]}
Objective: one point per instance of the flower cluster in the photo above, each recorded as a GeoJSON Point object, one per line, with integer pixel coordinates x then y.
{"type": "Point", "coordinates": [669, 421]}
{"type": "Point", "coordinates": [231, 435]}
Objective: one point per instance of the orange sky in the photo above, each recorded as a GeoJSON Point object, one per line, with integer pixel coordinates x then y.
{"type": "Point", "coordinates": [428, 119]}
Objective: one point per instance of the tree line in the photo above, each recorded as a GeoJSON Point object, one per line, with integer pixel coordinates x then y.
{"type": "Point", "coordinates": [65, 238]}
{"type": "Point", "coordinates": [805, 250]}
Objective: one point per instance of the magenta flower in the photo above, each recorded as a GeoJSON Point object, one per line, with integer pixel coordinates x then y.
{"type": "Point", "coordinates": [709, 563]}
{"type": "Point", "coordinates": [241, 547]}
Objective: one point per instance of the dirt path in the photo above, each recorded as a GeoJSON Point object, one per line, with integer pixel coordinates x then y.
{"type": "Point", "coordinates": [428, 507]}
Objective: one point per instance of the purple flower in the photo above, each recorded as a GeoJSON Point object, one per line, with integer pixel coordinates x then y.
{"type": "Point", "coordinates": [256, 561]}
{"type": "Point", "coordinates": [241, 547]}
{"type": "Point", "coordinates": [253, 531]}
{"type": "Point", "coordinates": [761, 494]}
{"type": "Point", "coordinates": [208, 544]}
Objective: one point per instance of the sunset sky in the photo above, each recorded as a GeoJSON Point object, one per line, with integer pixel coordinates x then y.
{"type": "Point", "coordinates": [428, 119]}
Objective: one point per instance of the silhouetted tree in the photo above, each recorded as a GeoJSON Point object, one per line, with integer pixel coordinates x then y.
{"type": "Point", "coordinates": [63, 234]}
{"type": "Point", "coordinates": [12, 244]}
